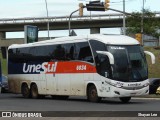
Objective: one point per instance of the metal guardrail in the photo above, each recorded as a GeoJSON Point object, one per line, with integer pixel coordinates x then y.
{"type": "Point", "coordinates": [62, 18]}
{"type": "Point", "coordinates": [58, 18]}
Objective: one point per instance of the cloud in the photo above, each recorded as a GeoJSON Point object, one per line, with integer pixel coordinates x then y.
{"type": "Point", "coordinates": [36, 8]}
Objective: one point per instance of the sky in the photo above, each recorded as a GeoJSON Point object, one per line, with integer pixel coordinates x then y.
{"type": "Point", "coordinates": [37, 8]}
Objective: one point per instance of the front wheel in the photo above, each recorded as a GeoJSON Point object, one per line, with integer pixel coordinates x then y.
{"type": "Point", "coordinates": [92, 95]}
{"type": "Point", "coordinates": [125, 99]}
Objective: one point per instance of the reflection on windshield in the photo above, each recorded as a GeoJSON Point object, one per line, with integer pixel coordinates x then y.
{"type": "Point", "coordinates": [130, 63]}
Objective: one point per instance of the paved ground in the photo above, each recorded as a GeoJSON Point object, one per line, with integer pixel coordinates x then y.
{"type": "Point", "coordinates": [17, 102]}
{"type": "Point", "coordinates": [79, 106]}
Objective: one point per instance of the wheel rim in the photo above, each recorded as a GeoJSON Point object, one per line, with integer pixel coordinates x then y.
{"type": "Point", "coordinates": [93, 93]}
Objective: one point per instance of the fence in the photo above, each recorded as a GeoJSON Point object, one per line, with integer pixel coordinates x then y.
{"type": "Point", "coordinates": [151, 41]}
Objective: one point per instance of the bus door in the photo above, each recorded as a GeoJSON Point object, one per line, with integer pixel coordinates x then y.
{"type": "Point", "coordinates": [83, 68]}
{"type": "Point", "coordinates": [104, 70]}
{"type": "Point", "coordinates": [102, 64]}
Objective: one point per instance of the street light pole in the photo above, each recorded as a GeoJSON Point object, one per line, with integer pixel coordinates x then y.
{"type": "Point", "coordinates": [69, 22]}
{"type": "Point", "coordinates": [47, 17]}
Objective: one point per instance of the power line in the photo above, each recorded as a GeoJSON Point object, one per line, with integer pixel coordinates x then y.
{"type": "Point", "coordinates": [122, 1]}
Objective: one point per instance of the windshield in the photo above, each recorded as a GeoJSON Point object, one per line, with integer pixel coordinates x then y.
{"type": "Point", "coordinates": [130, 63]}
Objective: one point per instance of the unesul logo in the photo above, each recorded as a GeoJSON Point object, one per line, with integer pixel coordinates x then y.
{"type": "Point", "coordinates": [46, 67]}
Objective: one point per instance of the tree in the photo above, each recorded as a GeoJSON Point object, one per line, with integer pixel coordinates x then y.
{"type": "Point", "coordinates": [150, 24]}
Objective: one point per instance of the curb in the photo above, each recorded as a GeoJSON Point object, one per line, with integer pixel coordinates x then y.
{"type": "Point", "coordinates": [145, 98]}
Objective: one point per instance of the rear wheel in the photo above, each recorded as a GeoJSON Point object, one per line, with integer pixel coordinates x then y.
{"type": "Point", "coordinates": [34, 91]}
{"type": "Point", "coordinates": [3, 90]}
{"type": "Point", "coordinates": [125, 99]}
{"type": "Point", "coordinates": [25, 91]}
{"type": "Point", "coordinates": [92, 95]}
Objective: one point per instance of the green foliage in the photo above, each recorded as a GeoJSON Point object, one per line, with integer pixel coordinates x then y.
{"type": "Point", "coordinates": [150, 25]}
{"type": "Point", "coordinates": [153, 69]}
{"type": "Point", "coordinates": [4, 64]}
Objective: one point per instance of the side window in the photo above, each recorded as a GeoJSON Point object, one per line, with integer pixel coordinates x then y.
{"type": "Point", "coordinates": [97, 46]}
{"type": "Point", "coordinates": [22, 54]}
{"type": "Point", "coordinates": [50, 53]}
{"type": "Point", "coordinates": [45, 53]}
{"type": "Point", "coordinates": [83, 52]}
{"type": "Point", "coordinates": [69, 51]}
{"type": "Point", "coordinates": [102, 61]}
{"type": "Point", "coordinates": [12, 55]}
{"type": "Point", "coordinates": [19, 55]}
{"type": "Point", "coordinates": [32, 54]}
{"type": "Point", "coordinates": [59, 52]}
{"type": "Point", "coordinates": [40, 53]}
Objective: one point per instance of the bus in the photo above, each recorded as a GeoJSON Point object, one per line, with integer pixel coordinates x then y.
{"type": "Point", "coordinates": [96, 66]}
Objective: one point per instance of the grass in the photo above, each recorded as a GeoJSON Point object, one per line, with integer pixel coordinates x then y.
{"type": "Point", "coordinates": [150, 96]}
{"type": "Point", "coordinates": [3, 64]}
{"type": "Point", "coordinates": [154, 70]}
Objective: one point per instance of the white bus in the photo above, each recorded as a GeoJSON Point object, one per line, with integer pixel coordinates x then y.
{"type": "Point", "coordinates": [96, 66]}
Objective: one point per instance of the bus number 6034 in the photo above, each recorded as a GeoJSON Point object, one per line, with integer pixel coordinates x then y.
{"type": "Point", "coordinates": [81, 67]}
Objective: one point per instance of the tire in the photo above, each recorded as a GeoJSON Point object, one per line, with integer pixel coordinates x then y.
{"type": "Point", "coordinates": [92, 95]}
{"type": "Point", "coordinates": [2, 90]}
{"type": "Point", "coordinates": [34, 91]}
{"type": "Point", "coordinates": [25, 91]}
{"type": "Point", "coordinates": [125, 99]}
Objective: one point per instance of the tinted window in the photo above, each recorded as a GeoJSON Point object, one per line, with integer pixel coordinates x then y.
{"type": "Point", "coordinates": [61, 52]}
{"type": "Point", "coordinates": [69, 51]}
{"type": "Point", "coordinates": [83, 52]}
{"type": "Point", "coordinates": [102, 61]}
{"type": "Point", "coordinates": [129, 63]}
{"type": "Point", "coordinates": [47, 53]}
{"type": "Point", "coordinates": [42, 53]}
{"type": "Point", "coordinates": [19, 55]}
{"type": "Point", "coordinates": [11, 55]}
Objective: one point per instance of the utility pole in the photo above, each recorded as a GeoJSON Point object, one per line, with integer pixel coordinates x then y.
{"type": "Point", "coordinates": [142, 23]}
{"type": "Point", "coordinates": [124, 19]}
{"type": "Point", "coordinates": [47, 17]}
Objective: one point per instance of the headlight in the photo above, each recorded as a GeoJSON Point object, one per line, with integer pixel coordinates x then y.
{"type": "Point", "coordinates": [146, 84]}
{"type": "Point", "coordinates": [158, 90]}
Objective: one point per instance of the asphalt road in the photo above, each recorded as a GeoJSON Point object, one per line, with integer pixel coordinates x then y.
{"type": "Point", "coordinates": [14, 102]}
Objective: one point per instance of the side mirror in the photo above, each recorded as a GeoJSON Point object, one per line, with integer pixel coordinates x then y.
{"type": "Point", "coordinates": [153, 58]}
{"type": "Point", "coordinates": [110, 56]}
